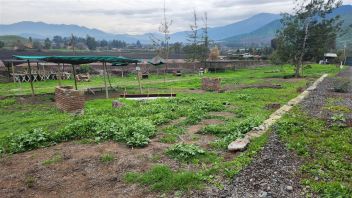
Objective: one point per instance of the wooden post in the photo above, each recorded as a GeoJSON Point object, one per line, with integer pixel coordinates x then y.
{"type": "Point", "coordinates": [74, 75]}
{"type": "Point", "coordinates": [139, 81]}
{"type": "Point", "coordinates": [106, 87]}
{"type": "Point", "coordinates": [59, 74]}
{"type": "Point", "coordinates": [30, 77]}
{"type": "Point", "coordinates": [13, 72]}
{"type": "Point", "coordinates": [108, 74]}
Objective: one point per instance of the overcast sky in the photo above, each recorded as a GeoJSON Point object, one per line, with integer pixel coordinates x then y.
{"type": "Point", "coordinates": [136, 16]}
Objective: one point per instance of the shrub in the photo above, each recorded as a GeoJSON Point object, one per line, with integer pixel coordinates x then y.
{"type": "Point", "coordinates": [184, 152]}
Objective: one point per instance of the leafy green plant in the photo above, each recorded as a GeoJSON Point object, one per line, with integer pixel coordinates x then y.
{"type": "Point", "coordinates": [27, 141]}
{"type": "Point", "coordinates": [169, 138]}
{"type": "Point", "coordinates": [184, 152]}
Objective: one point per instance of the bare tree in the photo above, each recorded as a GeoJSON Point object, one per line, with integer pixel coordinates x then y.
{"type": "Point", "coordinates": [193, 38]}
{"type": "Point", "coordinates": [205, 39]}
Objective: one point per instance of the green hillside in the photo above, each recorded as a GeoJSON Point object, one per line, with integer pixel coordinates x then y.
{"type": "Point", "coordinates": [263, 36]}
{"type": "Point", "coordinates": [11, 40]}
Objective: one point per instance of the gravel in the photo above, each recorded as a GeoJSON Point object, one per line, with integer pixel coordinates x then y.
{"type": "Point", "coordinates": [274, 172]}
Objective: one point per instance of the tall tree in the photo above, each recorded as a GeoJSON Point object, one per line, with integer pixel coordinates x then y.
{"type": "Point", "coordinates": [91, 43]}
{"type": "Point", "coordinates": [307, 31]}
{"type": "Point", "coordinates": [47, 43]}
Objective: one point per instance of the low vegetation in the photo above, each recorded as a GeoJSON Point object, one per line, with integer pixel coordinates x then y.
{"type": "Point", "coordinates": [326, 149]}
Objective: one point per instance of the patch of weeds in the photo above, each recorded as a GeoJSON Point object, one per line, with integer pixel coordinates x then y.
{"type": "Point", "coordinates": [244, 97]}
{"type": "Point", "coordinates": [169, 138]}
{"type": "Point", "coordinates": [174, 130]}
{"type": "Point", "coordinates": [338, 120]}
{"type": "Point", "coordinates": [230, 131]}
{"type": "Point", "coordinates": [342, 85]}
{"type": "Point", "coordinates": [161, 178]}
{"type": "Point", "coordinates": [30, 181]}
{"type": "Point", "coordinates": [155, 157]}
{"type": "Point", "coordinates": [53, 160]}
{"type": "Point", "coordinates": [27, 141]}
{"type": "Point", "coordinates": [338, 108]}
{"type": "Point", "coordinates": [7, 102]}
{"type": "Point", "coordinates": [107, 158]}
{"type": "Point", "coordinates": [325, 169]}
{"type": "Point", "coordinates": [185, 152]}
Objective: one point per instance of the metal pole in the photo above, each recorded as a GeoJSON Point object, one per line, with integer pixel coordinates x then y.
{"type": "Point", "coordinates": [30, 77]}
{"type": "Point", "coordinates": [74, 75]}
{"type": "Point", "coordinates": [106, 87]}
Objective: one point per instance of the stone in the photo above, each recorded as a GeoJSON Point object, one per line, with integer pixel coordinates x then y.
{"type": "Point", "coordinates": [263, 194]}
{"type": "Point", "coordinates": [116, 104]}
{"type": "Point", "coordinates": [289, 188]}
{"type": "Point", "coordinates": [238, 145]}
{"type": "Point", "coordinates": [211, 84]}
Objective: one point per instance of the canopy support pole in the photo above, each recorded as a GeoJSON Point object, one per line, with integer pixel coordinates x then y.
{"type": "Point", "coordinates": [108, 74]}
{"type": "Point", "coordinates": [139, 81]}
{"type": "Point", "coordinates": [74, 75]}
{"type": "Point", "coordinates": [59, 74]}
{"type": "Point", "coordinates": [13, 72]}
{"type": "Point", "coordinates": [30, 77]}
{"type": "Point", "coordinates": [106, 87]}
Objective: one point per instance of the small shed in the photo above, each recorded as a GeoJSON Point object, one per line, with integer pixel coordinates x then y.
{"type": "Point", "coordinates": [330, 58]}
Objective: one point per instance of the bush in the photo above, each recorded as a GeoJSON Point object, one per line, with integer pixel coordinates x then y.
{"type": "Point", "coordinates": [84, 69]}
{"type": "Point", "coordinates": [184, 152]}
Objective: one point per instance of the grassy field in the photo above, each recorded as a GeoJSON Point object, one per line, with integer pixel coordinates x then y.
{"type": "Point", "coordinates": [243, 76]}
{"type": "Point", "coordinates": [219, 118]}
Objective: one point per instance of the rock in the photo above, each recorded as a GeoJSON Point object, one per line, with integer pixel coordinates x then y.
{"type": "Point", "coordinates": [238, 145]}
{"type": "Point", "coordinates": [263, 194]}
{"type": "Point", "coordinates": [289, 188]}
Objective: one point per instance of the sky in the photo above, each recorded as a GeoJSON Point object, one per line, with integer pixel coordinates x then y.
{"type": "Point", "coordinates": [136, 16]}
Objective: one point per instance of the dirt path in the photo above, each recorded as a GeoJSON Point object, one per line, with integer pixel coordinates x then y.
{"type": "Point", "coordinates": [275, 170]}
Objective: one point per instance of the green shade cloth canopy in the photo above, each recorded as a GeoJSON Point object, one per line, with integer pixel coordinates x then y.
{"type": "Point", "coordinates": [157, 60]}
{"type": "Point", "coordinates": [119, 64]}
{"type": "Point", "coordinates": [77, 60]}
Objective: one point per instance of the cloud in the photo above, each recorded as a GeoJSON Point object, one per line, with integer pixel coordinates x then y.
{"type": "Point", "coordinates": [136, 16]}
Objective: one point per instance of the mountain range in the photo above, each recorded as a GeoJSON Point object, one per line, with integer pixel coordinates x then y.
{"type": "Point", "coordinates": [263, 35]}
{"type": "Point", "coordinates": [257, 30]}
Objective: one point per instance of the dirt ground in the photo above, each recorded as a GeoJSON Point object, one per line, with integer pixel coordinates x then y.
{"type": "Point", "coordinates": [80, 172]}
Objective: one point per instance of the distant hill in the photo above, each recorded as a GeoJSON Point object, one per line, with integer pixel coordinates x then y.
{"type": "Point", "coordinates": [11, 40]}
{"type": "Point", "coordinates": [262, 36]}
{"type": "Point", "coordinates": [42, 30]}
{"type": "Point", "coordinates": [242, 27]}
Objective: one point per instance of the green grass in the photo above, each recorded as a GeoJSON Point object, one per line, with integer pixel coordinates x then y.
{"type": "Point", "coordinates": [107, 158]}
{"type": "Point", "coordinates": [55, 159]}
{"type": "Point", "coordinates": [162, 179]}
{"type": "Point", "coordinates": [326, 151]}
{"type": "Point", "coordinates": [188, 81]}
{"type": "Point", "coordinates": [137, 122]}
